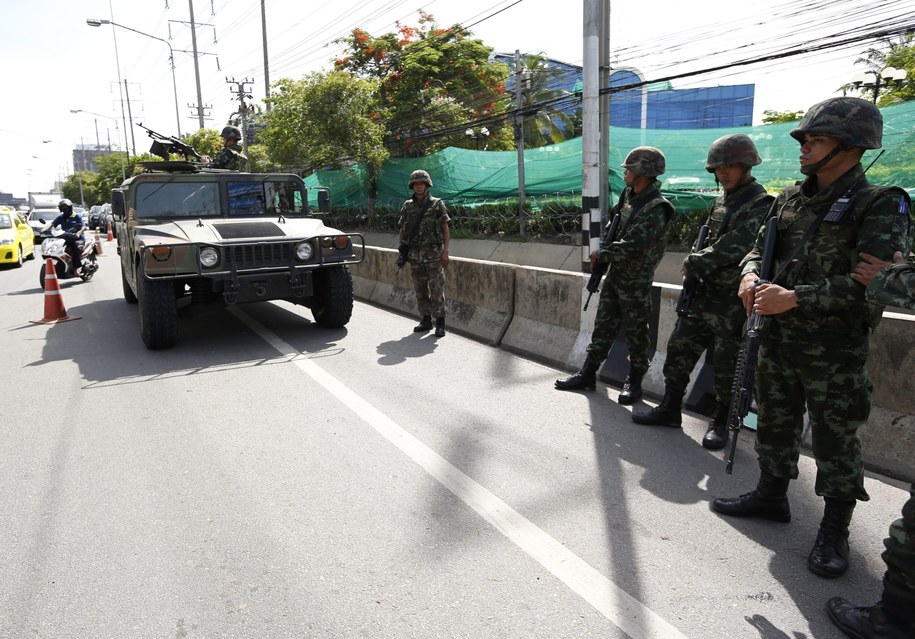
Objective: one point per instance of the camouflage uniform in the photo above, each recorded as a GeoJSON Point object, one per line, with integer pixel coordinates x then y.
{"type": "Point", "coordinates": [230, 157]}
{"type": "Point", "coordinates": [425, 253]}
{"type": "Point", "coordinates": [894, 285]}
{"type": "Point", "coordinates": [625, 297]}
{"type": "Point", "coordinates": [717, 315]}
{"type": "Point", "coordinates": [816, 353]}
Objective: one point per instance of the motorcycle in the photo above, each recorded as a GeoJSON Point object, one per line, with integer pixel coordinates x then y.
{"type": "Point", "coordinates": [55, 247]}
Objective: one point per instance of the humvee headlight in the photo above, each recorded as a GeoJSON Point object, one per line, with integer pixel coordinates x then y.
{"type": "Point", "coordinates": [341, 241]}
{"type": "Point", "coordinates": [209, 257]}
{"type": "Point", "coordinates": [160, 252]}
{"type": "Point", "coordinates": [304, 251]}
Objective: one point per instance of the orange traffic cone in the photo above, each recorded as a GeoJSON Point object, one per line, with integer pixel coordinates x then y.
{"type": "Point", "coordinates": [54, 310]}
{"type": "Point", "coordinates": [110, 234]}
{"type": "Point", "coordinates": [98, 243]}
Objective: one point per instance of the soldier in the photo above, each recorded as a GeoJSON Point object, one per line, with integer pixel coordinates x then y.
{"type": "Point", "coordinates": [716, 315]}
{"type": "Point", "coordinates": [815, 344]}
{"type": "Point", "coordinates": [893, 617]}
{"type": "Point", "coordinates": [231, 156]}
{"type": "Point", "coordinates": [633, 255]}
{"type": "Point", "coordinates": [424, 239]}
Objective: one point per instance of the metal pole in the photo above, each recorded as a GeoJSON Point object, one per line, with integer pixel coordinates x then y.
{"type": "Point", "coordinates": [266, 65]}
{"type": "Point", "coordinates": [133, 142]}
{"type": "Point", "coordinates": [519, 136]}
{"type": "Point", "coordinates": [98, 144]}
{"type": "Point", "coordinates": [590, 139]}
{"type": "Point", "coordinates": [196, 65]}
{"type": "Point", "coordinates": [118, 63]}
{"type": "Point", "coordinates": [604, 102]}
{"type": "Point", "coordinates": [82, 149]}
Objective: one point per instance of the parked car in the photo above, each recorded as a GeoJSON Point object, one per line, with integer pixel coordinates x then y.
{"type": "Point", "coordinates": [17, 241]}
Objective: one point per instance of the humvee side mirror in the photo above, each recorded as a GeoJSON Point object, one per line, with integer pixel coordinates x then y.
{"type": "Point", "coordinates": [323, 201]}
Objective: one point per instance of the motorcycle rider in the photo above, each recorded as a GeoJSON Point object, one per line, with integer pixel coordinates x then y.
{"type": "Point", "coordinates": [72, 225]}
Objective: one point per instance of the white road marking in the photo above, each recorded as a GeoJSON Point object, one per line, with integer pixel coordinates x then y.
{"type": "Point", "coordinates": [618, 606]}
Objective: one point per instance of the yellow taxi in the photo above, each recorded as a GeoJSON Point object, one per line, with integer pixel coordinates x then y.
{"type": "Point", "coordinates": [17, 241]}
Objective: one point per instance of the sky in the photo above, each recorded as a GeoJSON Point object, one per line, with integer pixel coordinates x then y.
{"type": "Point", "coordinates": [55, 63]}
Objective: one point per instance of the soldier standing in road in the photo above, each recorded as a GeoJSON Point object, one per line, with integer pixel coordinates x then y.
{"type": "Point", "coordinates": [893, 617]}
{"type": "Point", "coordinates": [815, 344]}
{"type": "Point", "coordinates": [716, 315]}
{"type": "Point", "coordinates": [231, 156]}
{"type": "Point", "coordinates": [633, 255]}
{"type": "Point", "coordinates": [424, 239]}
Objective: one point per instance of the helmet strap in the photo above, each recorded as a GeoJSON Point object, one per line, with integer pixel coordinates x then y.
{"type": "Point", "coordinates": [814, 168]}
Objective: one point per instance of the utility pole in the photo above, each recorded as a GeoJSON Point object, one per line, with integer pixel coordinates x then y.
{"type": "Point", "coordinates": [266, 64]}
{"type": "Point", "coordinates": [590, 139]}
{"type": "Point", "coordinates": [240, 93]}
{"type": "Point", "coordinates": [196, 66]}
{"type": "Point", "coordinates": [604, 105]}
{"type": "Point", "coordinates": [519, 136]}
{"type": "Point", "coordinates": [133, 143]}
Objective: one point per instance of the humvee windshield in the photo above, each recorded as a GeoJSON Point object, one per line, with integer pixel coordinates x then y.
{"type": "Point", "coordinates": [196, 199]}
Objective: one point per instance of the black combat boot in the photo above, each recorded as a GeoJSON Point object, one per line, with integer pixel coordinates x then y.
{"type": "Point", "coordinates": [871, 622]}
{"type": "Point", "coordinates": [667, 413]}
{"type": "Point", "coordinates": [768, 501]}
{"type": "Point", "coordinates": [424, 325]}
{"type": "Point", "coordinates": [829, 557]}
{"type": "Point", "coordinates": [585, 379]}
{"type": "Point", "coordinates": [632, 388]}
{"type": "Point", "coordinates": [439, 326]}
{"type": "Point", "coordinates": [717, 434]}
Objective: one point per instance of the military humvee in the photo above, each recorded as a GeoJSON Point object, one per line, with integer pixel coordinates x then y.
{"type": "Point", "coordinates": [191, 234]}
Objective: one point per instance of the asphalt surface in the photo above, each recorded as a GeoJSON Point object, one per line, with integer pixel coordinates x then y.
{"type": "Point", "coordinates": [269, 478]}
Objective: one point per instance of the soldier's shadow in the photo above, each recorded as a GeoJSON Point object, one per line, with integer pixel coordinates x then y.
{"type": "Point", "coordinates": [398, 351]}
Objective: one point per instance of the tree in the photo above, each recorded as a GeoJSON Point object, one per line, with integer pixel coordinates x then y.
{"type": "Point", "coordinates": [324, 120]}
{"type": "Point", "coordinates": [432, 82]}
{"type": "Point", "coordinates": [899, 53]}
{"type": "Point", "coordinates": [544, 121]}
{"type": "Point", "coordinates": [781, 117]}
{"type": "Point", "coordinates": [204, 141]}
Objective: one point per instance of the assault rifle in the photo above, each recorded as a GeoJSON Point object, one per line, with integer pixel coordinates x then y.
{"type": "Point", "coordinates": [691, 281]}
{"type": "Point", "coordinates": [748, 358]}
{"type": "Point", "coordinates": [601, 267]}
{"type": "Point", "coordinates": [163, 145]}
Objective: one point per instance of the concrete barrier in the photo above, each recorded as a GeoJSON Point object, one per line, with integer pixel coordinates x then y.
{"type": "Point", "coordinates": [537, 312]}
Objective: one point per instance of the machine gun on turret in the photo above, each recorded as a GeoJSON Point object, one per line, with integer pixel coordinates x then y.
{"type": "Point", "coordinates": [164, 145]}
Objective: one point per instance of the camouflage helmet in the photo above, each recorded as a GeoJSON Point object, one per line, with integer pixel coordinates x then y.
{"type": "Point", "coordinates": [645, 161]}
{"type": "Point", "coordinates": [736, 148]}
{"type": "Point", "coordinates": [419, 176]}
{"type": "Point", "coordinates": [854, 121]}
{"type": "Point", "coordinates": [231, 132]}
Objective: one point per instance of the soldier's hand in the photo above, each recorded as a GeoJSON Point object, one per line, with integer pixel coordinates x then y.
{"type": "Point", "coordinates": [594, 257]}
{"type": "Point", "coordinates": [870, 266]}
{"type": "Point", "coordinates": [747, 291]}
{"type": "Point", "coordinates": [444, 258]}
{"type": "Point", "coordinates": [772, 299]}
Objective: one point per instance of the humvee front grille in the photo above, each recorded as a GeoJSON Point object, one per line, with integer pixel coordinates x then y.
{"type": "Point", "coordinates": [247, 256]}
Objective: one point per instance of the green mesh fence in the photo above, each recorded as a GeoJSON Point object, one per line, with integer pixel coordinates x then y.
{"type": "Point", "coordinates": [481, 187]}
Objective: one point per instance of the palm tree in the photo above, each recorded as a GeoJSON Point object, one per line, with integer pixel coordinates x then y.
{"type": "Point", "coordinates": [544, 120]}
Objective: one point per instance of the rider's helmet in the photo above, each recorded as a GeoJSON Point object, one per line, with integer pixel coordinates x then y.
{"type": "Point", "coordinates": [65, 206]}
{"type": "Point", "coordinates": [736, 148]}
{"type": "Point", "coordinates": [420, 176]}
{"type": "Point", "coordinates": [854, 121]}
{"type": "Point", "coordinates": [231, 132]}
{"type": "Point", "coordinates": [645, 161]}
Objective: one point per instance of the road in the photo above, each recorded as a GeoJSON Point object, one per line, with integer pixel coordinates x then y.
{"type": "Point", "coordinates": [268, 478]}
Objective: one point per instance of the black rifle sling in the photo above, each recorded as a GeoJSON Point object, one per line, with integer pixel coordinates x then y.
{"type": "Point", "coordinates": [622, 232]}
{"type": "Point", "coordinates": [735, 205]}
{"type": "Point", "coordinates": [422, 212]}
{"type": "Point", "coordinates": [835, 213]}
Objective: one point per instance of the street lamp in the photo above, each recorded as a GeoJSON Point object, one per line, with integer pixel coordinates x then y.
{"type": "Point", "coordinates": [476, 136]}
{"type": "Point", "coordinates": [890, 77]}
{"type": "Point", "coordinates": [92, 22]}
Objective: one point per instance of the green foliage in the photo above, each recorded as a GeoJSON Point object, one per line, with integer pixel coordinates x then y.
{"type": "Point", "coordinates": [543, 125]}
{"type": "Point", "coordinates": [781, 117]}
{"type": "Point", "coordinates": [324, 120]}
{"type": "Point", "coordinates": [204, 141]}
{"type": "Point", "coordinates": [430, 81]}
